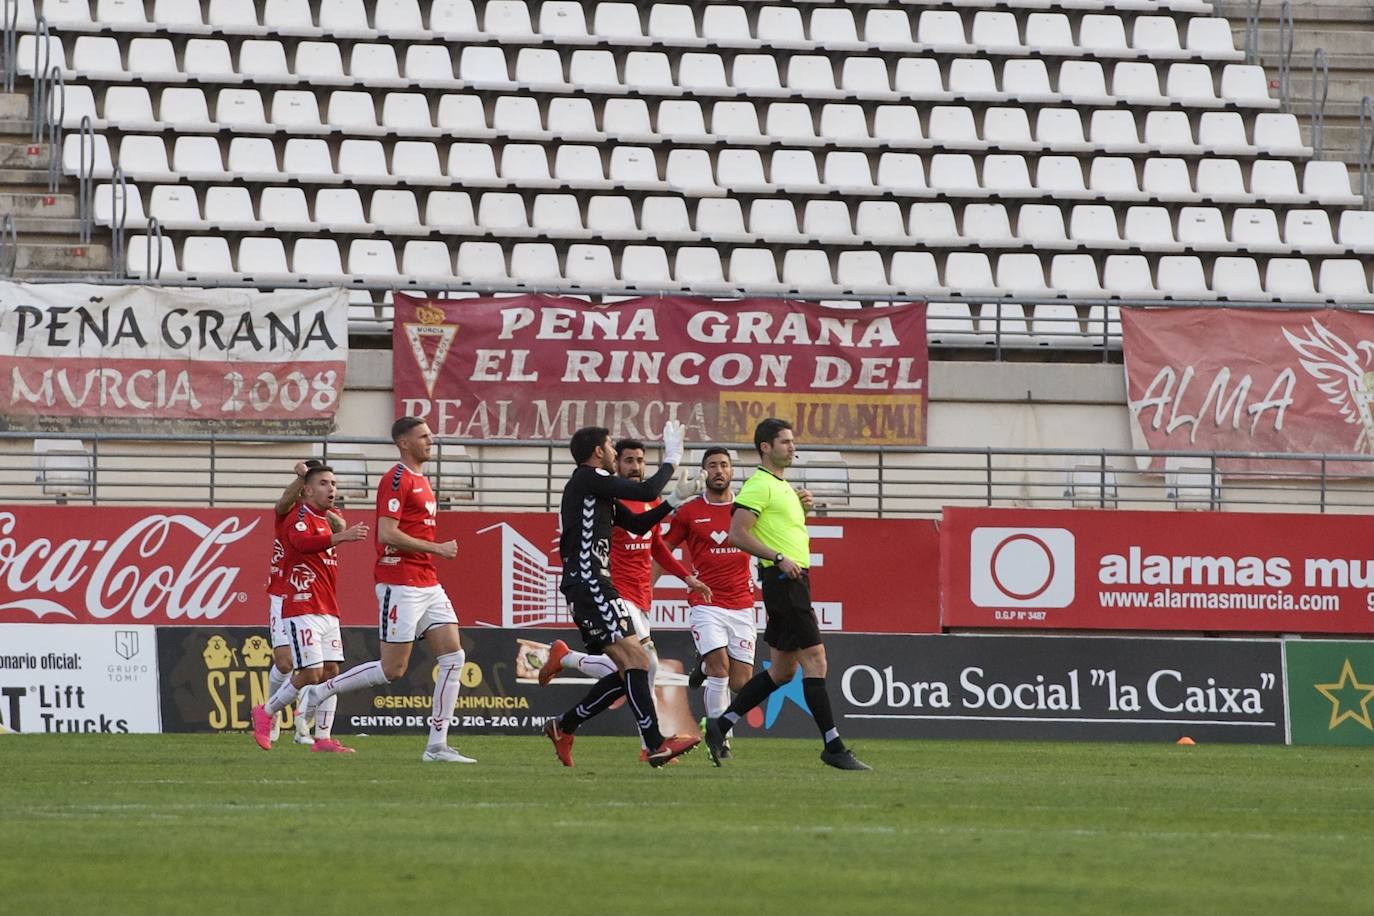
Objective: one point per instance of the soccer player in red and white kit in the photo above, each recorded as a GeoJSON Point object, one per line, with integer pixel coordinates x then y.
{"type": "Point", "coordinates": [722, 617]}
{"type": "Point", "coordinates": [277, 588]}
{"type": "Point", "coordinates": [411, 603]}
{"type": "Point", "coordinates": [310, 607]}
{"type": "Point", "coordinates": [632, 573]}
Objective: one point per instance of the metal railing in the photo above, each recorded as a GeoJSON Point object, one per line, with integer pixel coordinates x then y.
{"type": "Point", "coordinates": [85, 177]}
{"type": "Point", "coordinates": [10, 23]}
{"type": "Point", "coordinates": [54, 113]}
{"type": "Point", "coordinates": [528, 475]}
{"type": "Point", "coordinates": [1319, 66]}
{"type": "Point", "coordinates": [119, 218]}
{"type": "Point", "coordinates": [42, 64]}
{"type": "Point", "coordinates": [9, 245]}
{"type": "Point", "coordinates": [1366, 151]}
{"type": "Point", "coordinates": [154, 240]}
{"type": "Point", "coordinates": [1252, 52]}
{"type": "Point", "coordinates": [1286, 39]}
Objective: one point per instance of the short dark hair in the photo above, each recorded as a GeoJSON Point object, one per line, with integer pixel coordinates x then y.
{"type": "Point", "coordinates": [712, 451]}
{"type": "Point", "coordinates": [586, 441]}
{"type": "Point", "coordinates": [317, 470]}
{"type": "Point", "coordinates": [767, 431]}
{"type": "Point", "coordinates": [313, 463]}
{"type": "Point", "coordinates": [626, 444]}
{"type": "Point", "coordinates": [403, 426]}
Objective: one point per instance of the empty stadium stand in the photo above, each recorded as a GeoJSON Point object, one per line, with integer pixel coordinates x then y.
{"type": "Point", "coordinates": [986, 150]}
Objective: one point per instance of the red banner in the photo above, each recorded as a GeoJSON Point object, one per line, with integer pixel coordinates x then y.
{"type": "Point", "coordinates": [209, 566]}
{"type": "Point", "coordinates": [1252, 380]}
{"type": "Point", "coordinates": [78, 356]}
{"type": "Point", "coordinates": [540, 367]}
{"type": "Point", "coordinates": [1117, 570]}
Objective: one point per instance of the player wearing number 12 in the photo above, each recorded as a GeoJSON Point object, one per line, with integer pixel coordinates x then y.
{"type": "Point", "coordinates": [411, 604]}
{"type": "Point", "coordinates": [310, 608]}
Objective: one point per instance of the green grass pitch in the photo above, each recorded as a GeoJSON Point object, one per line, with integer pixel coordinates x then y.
{"type": "Point", "coordinates": [210, 824]}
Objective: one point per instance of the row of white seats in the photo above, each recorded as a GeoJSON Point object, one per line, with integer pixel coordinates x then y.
{"type": "Point", "coordinates": [1044, 226]}
{"type": "Point", "coordinates": [654, 72]}
{"type": "Point", "coordinates": [131, 108]}
{"type": "Point", "coordinates": [807, 271]}
{"type": "Point", "coordinates": [667, 23]}
{"type": "Point", "coordinates": [696, 172]}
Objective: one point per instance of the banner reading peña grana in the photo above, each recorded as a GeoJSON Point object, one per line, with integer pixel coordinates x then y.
{"type": "Point", "coordinates": [540, 367]}
{"type": "Point", "coordinates": [144, 359]}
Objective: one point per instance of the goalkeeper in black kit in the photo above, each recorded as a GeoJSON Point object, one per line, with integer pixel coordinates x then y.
{"type": "Point", "coordinates": [589, 511]}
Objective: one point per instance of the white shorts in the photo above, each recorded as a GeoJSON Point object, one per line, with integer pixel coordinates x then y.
{"type": "Point", "coordinates": [276, 631]}
{"type": "Point", "coordinates": [716, 628]}
{"type": "Point", "coordinates": [314, 639]}
{"type": "Point", "coordinates": [405, 612]}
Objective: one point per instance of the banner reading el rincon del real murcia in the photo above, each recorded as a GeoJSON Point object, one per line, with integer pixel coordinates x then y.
{"type": "Point", "coordinates": [1252, 380]}
{"type": "Point", "coordinates": [540, 367]}
{"type": "Point", "coordinates": [145, 359]}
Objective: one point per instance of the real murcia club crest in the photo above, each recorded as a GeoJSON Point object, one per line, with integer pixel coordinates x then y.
{"type": "Point", "coordinates": [430, 340]}
{"type": "Point", "coordinates": [1343, 373]}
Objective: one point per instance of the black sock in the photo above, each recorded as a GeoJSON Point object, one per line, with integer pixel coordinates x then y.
{"type": "Point", "coordinates": [599, 699]}
{"type": "Point", "coordinates": [754, 692]}
{"type": "Point", "coordinates": [641, 697]}
{"type": "Point", "coordinates": [818, 698]}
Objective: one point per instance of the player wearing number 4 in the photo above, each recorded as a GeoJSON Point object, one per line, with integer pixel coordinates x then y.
{"type": "Point", "coordinates": [411, 604]}
{"type": "Point", "coordinates": [310, 610]}
{"type": "Point", "coordinates": [769, 522]}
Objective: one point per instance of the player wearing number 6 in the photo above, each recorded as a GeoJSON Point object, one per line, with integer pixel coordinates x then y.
{"type": "Point", "coordinates": [411, 604]}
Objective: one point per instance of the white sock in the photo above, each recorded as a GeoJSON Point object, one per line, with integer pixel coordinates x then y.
{"type": "Point", "coordinates": [274, 679]}
{"type": "Point", "coordinates": [653, 662]}
{"type": "Point", "coordinates": [359, 678]}
{"type": "Point", "coordinates": [446, 684]}
{"type": "Point", "coordinates": [283, 698]}
{"type": "Point", "coordinates": [716, 695]}
{"type": "Point", "coordinates": [596, 666]}
{"type": "Point", "coordinates": [324, 718]}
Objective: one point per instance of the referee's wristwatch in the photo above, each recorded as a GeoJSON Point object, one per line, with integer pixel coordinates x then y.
{"type": "Point", "coordinates": [778, 557]}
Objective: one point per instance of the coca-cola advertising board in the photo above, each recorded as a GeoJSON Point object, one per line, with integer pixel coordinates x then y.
{"type": "Point", "coordinates": [537, 367]}
{"type": "Point", "coordinates": [1252, 380]}
{"type": "Point", "coordinates": [147, 359]}
{"type": "Point", "coordinates": [70, 679]}
{"type": "Point", "coordinates": [198, 567]}
{"type": "Point", "coordinates": [1114, 570]}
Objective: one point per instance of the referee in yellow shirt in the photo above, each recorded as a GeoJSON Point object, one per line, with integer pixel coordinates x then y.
{"type": "Point", "coordinates": [769, 522]}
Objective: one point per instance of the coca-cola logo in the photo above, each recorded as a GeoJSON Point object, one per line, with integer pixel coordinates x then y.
{"type": "Point", "coordinates": [136, 572]}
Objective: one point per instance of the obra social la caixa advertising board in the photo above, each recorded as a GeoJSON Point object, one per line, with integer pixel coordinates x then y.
{"type": "Point", "coordinates": [888, 686]}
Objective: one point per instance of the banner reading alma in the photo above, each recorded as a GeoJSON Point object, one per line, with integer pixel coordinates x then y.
{"type": "Point", "coordinates": [1252, 380]}
{"type": "Point", "coordinates": [144, 359]}
{"type": "Point", "coordinates": [540, 367]}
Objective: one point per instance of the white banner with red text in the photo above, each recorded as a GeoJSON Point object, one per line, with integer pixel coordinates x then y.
{"type": "Point", "coordinates": [145, 359]}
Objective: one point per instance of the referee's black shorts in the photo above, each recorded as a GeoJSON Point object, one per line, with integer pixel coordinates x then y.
{"type": "Point", "coordinates": [792, 622]}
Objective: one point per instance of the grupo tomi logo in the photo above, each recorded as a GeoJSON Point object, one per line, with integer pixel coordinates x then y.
{"type": "Point", "coordinates": [1021, 567]}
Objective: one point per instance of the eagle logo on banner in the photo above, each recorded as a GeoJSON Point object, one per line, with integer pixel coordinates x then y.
{"type": "Point", "coordinates": [1346, 378]}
